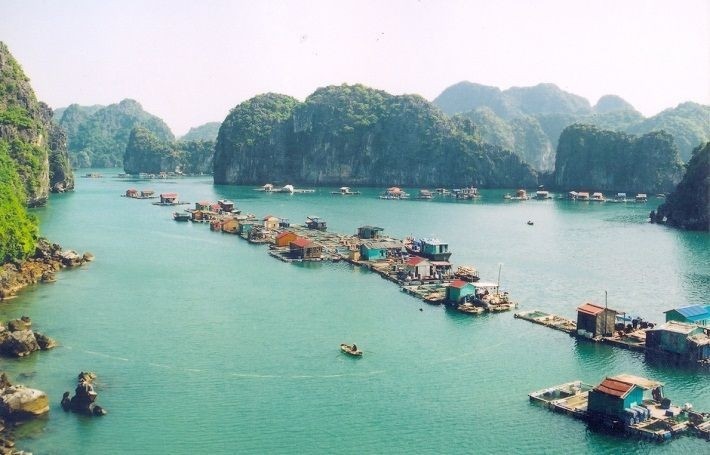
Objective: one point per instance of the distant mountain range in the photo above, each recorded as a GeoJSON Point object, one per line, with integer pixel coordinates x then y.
{"type": "Point", "coordinates": [529, 120]}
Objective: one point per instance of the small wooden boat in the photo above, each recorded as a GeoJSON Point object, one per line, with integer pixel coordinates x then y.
{"type": "Point", "coordinates": [530, 223]}
{"type": "Point", "coordinates": [350, 349]}
{"type": "Point", "coordinates": [181, 216]}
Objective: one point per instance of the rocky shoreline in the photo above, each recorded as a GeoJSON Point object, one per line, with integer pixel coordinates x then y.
{"type": "Point", "coordinates": [40, 267]}
{"type": "Point", "coordinates": [17, 339]}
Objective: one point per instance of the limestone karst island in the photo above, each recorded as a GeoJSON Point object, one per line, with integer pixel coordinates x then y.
{"type": "Point", "coordinates": [354, 227]}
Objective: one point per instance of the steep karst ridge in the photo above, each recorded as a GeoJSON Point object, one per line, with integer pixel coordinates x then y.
{"type": "Point", "coordinates": [688, 206]}
{"type": "Point", "coordinates": [35, 145]}
{"type": "Point", "coordinates": [592, 159]}
{"type": "Point", "coordinates": [145, 152]}
{"type": "Point", "coordinates": [547, 108]}
{"type": "Point", "coordinates": [98, 137]}
{"type": "Point", "coordinates": [351, 134]}
{"type": "Point", "coordinates": [205, 132]}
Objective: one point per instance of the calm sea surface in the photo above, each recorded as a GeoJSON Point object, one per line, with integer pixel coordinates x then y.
{"type": "Point", "coordinates": [204, 344]}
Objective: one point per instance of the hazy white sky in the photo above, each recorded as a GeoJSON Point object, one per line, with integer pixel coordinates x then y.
{"type": "Point", "coordinates": [189, 62]}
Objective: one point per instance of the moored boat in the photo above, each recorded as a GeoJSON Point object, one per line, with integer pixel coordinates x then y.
{"type": "Point", "coordinates": [345, 191]}
{"type": "Point", "coordinates": [351, 349]}
{"type": "Point", "coordinates": [182, 216]}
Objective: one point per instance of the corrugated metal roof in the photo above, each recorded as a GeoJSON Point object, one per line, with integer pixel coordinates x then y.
{"type": "Point", "coordinates": [693, 312]}
{"type": "Point", "coordinates": [284, 234]}
{"type": "Point", "coordinates": [168, 195]}
{"type": "Point", "coordinates": [383, 244]}
{"type": "Point", "coordinates": [676, 327]}
{"type": "Point", "coordinates": [644, 383]}
{"type": "Point", "coordinates": [614, 387]}
{"type": "Point", "coordinates": [590, 308]}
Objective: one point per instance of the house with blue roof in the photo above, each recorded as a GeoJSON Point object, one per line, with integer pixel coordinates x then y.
{"type": "Point", "coordinates": [693, 314]}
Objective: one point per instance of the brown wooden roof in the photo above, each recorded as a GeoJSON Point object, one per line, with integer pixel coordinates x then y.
{"type": "Point", "coordinates": [614, 387]}
{"type": "Point", "coordinates": [590, 308]}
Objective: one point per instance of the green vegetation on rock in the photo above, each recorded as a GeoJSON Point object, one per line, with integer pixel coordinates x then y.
{"type": "Point", "coordinates": [206, 132]}
{"type": "Point", "coordinates": [99, 139]}
{"type": "Point", "coordinates": [18, 230]}
{"type": "Point", "coordinates": [145, 152]}
{"type": "Point", "coordinates": [554, 109]}
{"type": "Point", "coordinates": [351, 134]}
{"type": "Point", "coordinates": [688, 207]}
{"type": "Point", "coordinates": [33, 142]}
{"type": "Point", "coordinates": [589, 158]}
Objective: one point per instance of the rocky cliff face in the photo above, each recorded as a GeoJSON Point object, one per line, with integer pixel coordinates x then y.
{"type": "Point", "coordinates": [688, 207]}
{"type": "Point", "coordinates": [594, 159]}
{"type": "Point", "coordinates": [358, 136]}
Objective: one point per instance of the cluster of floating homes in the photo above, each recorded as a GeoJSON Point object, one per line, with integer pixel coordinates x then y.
{"type": "Point", "coordinates": [542, 194]}
{"type": "Point", "coordinates": [683, 338]}
{"type": "Point", "coordinates": [628, 404]}
{"type": "Point", "coordinates": [420, 266]}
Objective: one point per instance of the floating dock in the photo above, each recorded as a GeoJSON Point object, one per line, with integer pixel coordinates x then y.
{"type": "Point", "coordinates": [651, 419]}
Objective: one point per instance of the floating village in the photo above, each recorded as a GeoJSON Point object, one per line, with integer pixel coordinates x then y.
{"type": "Point", "coordinates": [421, 267]}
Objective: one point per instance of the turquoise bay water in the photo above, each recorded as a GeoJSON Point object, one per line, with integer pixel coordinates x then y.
{"type": "Point", "coordinates": [204, 344]}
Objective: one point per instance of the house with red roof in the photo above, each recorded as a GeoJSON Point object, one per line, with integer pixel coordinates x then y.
{"type": "Point", "coordinates": [458, 290]}
{"type": "Point", "coordinates": [417, 268]}
{"type": "Point", "coordinates": [302, 248]}
{"type": "Point", "coordinates": [594, 320]}
{"type": "Point", "coordinates": [612, 396]}
{"type": "Point", "coordinates": [285, 238]}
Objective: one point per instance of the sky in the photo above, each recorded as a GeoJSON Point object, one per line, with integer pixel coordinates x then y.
{"type": "Point", "coordinates": [190, 62]}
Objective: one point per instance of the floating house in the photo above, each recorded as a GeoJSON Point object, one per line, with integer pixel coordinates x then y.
{"type": "Point", "coordinates": [425, 194]}
{"type": "Point", "coordinates": [680, 341]}
{"type": "Point", "coordinates": [641, 197]}
{"type": "Point", "coordinates": [245, 227]}
{"type": "Point", "coordinates": [693, 314]}
{"type": "Point", "coordinates": [284, 223]}
{"type": "Point", "coordinates": [369, 232]}
{"type": "Point", "coordinates": [582, 196]}
{"type": "Point", "coordinates": [314, 222]}
{"type": "Point", "coordinates": [542, 194]}
{"type": "Point", "coordinates": [458, 290]}
{"type": "Point", "coordinates": [616, 398]}
{"type": "Point", "coordinates": [132, 192]}
{"type": "Point", "coordinates": [417, 267]}
{"type": "Point", "coordinates": [203, 205]}
{"type": "Point", "coordinates": [230, 226]}
{"type": "Point", "coordinates": [435, 249]}
{"type": "Point", "coordinates": [226, 205]}
{"type": "Point", "coordinates": [597, 197]}
{"type": "Point", "coordinates": [168, 198]}
{"type": "Point", "coordinates": [594, 320]}
{"type": "Point", "coordinates": [271, 222]}
{"type": "Point", "coordinates": [377, 250]}
{"type": "Point", "coordinates": [303, 248]}
{"type": "Point", "coordinates": [285, 238]}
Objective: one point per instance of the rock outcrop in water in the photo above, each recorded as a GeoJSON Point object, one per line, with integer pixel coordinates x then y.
{"type": "Point", "coordinates": [28, 136]}
{"type": "Point", "coordinates": [98, 137]}
{"type": "Point", "coordinates": [146, 153]}
{"type": "Point", "coordinates": [688, 207]}
{"type": "Point", "coordinates": [84, 398]}
{"type": "Point", "coordinates": [40, 267]}
{"type": "Point", "coordinates": [17, 339]}
{"type": "Point", "coordinates": [594, 159]}
{"type": "Point", "coordinates": [18, 402]}
{"type": "Point", "coordinates": [354, 135]}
